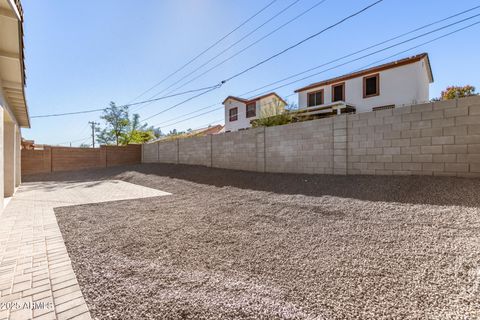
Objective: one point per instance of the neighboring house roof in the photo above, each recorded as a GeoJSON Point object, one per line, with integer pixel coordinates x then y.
{"type": "Point", "coordinates": [216, 129]}
{"type": "Point", "coordinates": [208, 130]}
{"type": "Point", "coordinates": [255, 99]}
{"type": "Point", "coordinates": [386, 66]}
{"type": "Point", "coordinates": [12, 71]}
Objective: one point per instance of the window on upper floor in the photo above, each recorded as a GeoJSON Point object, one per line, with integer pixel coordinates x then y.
{"type": "Point", "coordinates": [315, 98]}
{"type": "Point", "coordinates": [371, 86]}
{"type": "Point", "coordinates": [233, 114]}
{"type": "Point", "coordinates": [251, 109]}
{"type": "Point", "coordinates": [338, 92]}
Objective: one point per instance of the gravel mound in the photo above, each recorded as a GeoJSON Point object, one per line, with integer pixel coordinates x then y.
{"type": "Point", "coordinates": [238, 245]}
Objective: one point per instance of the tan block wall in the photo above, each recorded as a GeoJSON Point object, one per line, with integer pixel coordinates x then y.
{"type": "Point", "coordinates": [71, 159]}
{"type": "Point", "coordinates": [125, 155]}
{"type": "Point", "coordinates": [305, 147]}
{"type": "Point", "coordinates": [195, 151]}
{"type": "Point", "coordinates": [168, 152]}
{"type": "Point", "coordinates": [36, 161]}
{"type": "Point", "coordinates": [237, 150]}
{"type": "Point", "coordinates": [439, 138]}
{"type": "Point", "coordinates": [150, 152]}
{"type": "Point", "coordinates": [53, 159]}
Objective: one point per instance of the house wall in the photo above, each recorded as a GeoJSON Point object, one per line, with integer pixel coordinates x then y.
{"type": "Point", "coordinates": [9, 150]}
{"type": "Point", "coordinates": [243, 122]}
{"type": "Point", "coordinates": [2, 112]}
{"type": "Point", "coordinates": [404, 85]}
{"type": "Point", "coordinates": [440, 138]}
{"type": "Point", "coordinates": [8, 158]}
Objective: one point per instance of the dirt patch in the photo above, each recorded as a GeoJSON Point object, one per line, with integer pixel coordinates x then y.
{"type": "Point", "coordinates": [232, 247]}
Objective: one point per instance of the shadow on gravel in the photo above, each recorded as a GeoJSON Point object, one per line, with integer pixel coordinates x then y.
{"type": "Point", "coordinates": [403, 189]}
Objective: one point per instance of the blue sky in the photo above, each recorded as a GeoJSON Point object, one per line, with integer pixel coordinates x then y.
{"type": "Point", "coordinates": [83, 54]}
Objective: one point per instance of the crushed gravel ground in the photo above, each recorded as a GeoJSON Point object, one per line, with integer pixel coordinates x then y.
{"type": "Point", "coordinates": [242, 245]}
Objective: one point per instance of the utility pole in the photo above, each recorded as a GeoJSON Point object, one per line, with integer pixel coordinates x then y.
{"type": "Point", "coordinates": [92, 124]}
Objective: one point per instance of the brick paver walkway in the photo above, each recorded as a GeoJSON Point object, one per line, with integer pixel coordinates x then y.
{"type": "Point", "coordinates": [36, 276]}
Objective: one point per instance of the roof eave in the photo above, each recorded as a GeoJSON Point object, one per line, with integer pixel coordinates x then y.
{"type": "Point", "coordinates": [390, 65]}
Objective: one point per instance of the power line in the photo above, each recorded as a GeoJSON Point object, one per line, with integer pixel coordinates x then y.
{"type": "Point", "coordinates": [198, 110]}
{"type": "Point", "coordinates": [66, 113]}
{"type": "Point", "coordinates": [378, 51]}
{"type": "Point", "coordinates": [281, 52]}
{"type": "Point", "coordinates": [276, 15]}
{"type": "Point", "coordinates": [125, 105]}
{"type": "Point", "coordinates": [70, 141]}
{"type": "Point", "coordinates": [206, 50]}
{"type": "Point", "coordinates": [248, 47]}
{"type": "Point", "coordinates": [337, 66]}
{"type": "Point", "coordinates": [364, 49]}
{"type": "Point", "coordinates": [211, 88]}
{"type": "Point", "coordinates": [229, 47]}
{"type": "Point", "coordinates": [422, 44]}
{"type": "Point", "coordinates": [302, 41]}
{"type": "Point", "coordinates": [171, 124]}
{"type": "Point", "coordinates": [184, 101]}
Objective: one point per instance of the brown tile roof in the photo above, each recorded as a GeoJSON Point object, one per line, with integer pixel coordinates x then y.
{"type": "Point", "coordinates": [390, 65]}
{"type": "Point", "coordinates": [254, 99]}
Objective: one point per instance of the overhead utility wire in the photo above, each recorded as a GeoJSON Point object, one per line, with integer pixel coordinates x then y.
{"type": "Point", "coordinates": [380, 50]}
{"type": "Point", "coordinates": [184, 101]}
{"type": "Point", "coordinates": [125, 105]}
{"type": "Point", "coordinates": [206, 50]}
{"type": "Point", "coordinates": [278, 53]}
{"type": "Point", "coordinates": [211, 88]}
{"type": "Point", "coordinates": [249, 46]}
{"type": "Point", "coordinates": [171, 124]}
{"type": "Point", "coordinates": [422, 44]}
{"type": "Point", "coordinates": [70, 141]}
{"type": "Point", "coordinates": [364, 49]}
{"type": "Point", "coordinates": [219, 54]}
{"type": "Point", "coordinates": [292, 76]}
{"type": "Point", "coordinates": [374, 63]}
{"type": "Point", "coordinates": [276, 15]}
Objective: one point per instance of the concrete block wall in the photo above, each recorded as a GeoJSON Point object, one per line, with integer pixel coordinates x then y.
{"type": "Point", "coordinates": [237, 150]}
{"type": "Point", "coordinates": [53, 159]}
{"type": "Point", "coordinates": [196, 151]}
{"type": "Point", "coordinates": [150, 152]}
{"type": "Point", "coordinates": [305, 147]}
{"type": "Point", "coordinates": [439, 138]}
{"type": "Point", "coordinates": [168, 152]}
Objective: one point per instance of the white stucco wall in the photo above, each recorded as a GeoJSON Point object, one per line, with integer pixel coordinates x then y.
{"type": "Point", "coordinates": [9, 149]}
{"type": "Point", "coordinates": [243, 122]}
{"type": "Point", "coordinates": [404, 85]}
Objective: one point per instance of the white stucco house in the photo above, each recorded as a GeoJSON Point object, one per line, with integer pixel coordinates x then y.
{"type": "Point", "coordinates": [401, 82]}
{"type": "Point", "coordinates": [13, 106]}
{"type": "Point", "coordinates": [240, 112]}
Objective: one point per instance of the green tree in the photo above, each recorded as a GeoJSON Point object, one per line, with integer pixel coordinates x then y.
{"type": "Point", "coordinates": [276, 115]}
{"type": "Point", "coordinates": [117, 122]}
{"type": "Point", "coordinates": [454, 92]}
{"type": "Point", "coordinates": [137, 133]}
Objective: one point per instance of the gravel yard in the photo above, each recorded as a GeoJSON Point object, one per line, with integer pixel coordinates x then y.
{"type": "Point", "coordinates": [243, 245]}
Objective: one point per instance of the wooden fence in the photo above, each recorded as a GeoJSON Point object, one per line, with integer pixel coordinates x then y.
{"type": "Point", "coordinates": [54, 159]}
